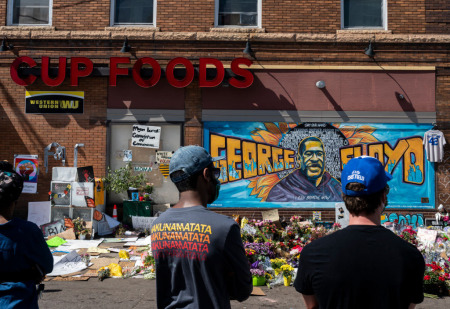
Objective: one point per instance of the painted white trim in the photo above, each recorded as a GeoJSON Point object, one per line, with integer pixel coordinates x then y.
{"type": "Point", "coordinates": [112, 12]}
{"type": "Point", "coordinates": [9, 15]}
{"type": "Point", "coordinates": [149, 115]}
{"type": "Point", "coordinates": [216, 17]}
{"type": "Point", "coordinates": [318, 116]}
{"type": "Point", "coordinates": [383, 13]}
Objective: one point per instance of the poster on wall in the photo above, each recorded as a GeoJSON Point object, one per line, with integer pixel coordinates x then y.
{"type": "Point", "coordinates": [28, 167]}
{"type": "Point", "coordinates": [145, 136]}
{"type": "Point", "coordinates": [163, 157]}
{"type": "Point", "coordinates": [54, 102]}
{"type": "Point", "coordinates": [279, 164]}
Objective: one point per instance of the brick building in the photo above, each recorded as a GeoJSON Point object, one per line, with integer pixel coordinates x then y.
{"type": "Point", "coordinates": [312, 73]}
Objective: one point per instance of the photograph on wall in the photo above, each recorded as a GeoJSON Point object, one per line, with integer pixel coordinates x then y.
{"type": "Point", "coordinates": [28, 167]}
{"type": "Point", "coordinates": [278, 164]}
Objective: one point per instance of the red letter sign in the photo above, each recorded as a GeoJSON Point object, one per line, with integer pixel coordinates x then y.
{"type": "Point", "coordinates": [203, 82]}
{"type": "Point", "coordinates": [75, 71]}
{"type": "Point", "coordinates": [61, 72]}
{"type": "Point", "coordinates": [137, 72]}
{"type": "Point", "coordinates": [248, 76]}
{"type": "Point", "coordinates": [114, 70]}
{"type": "Point", "coordinates": [14, 71]}
{"type": "Point", "coordinates": [189, 72]}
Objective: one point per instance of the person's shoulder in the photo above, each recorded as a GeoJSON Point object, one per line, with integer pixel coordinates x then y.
{"type": "Point", "coordinates": [25, 224]}
{"type": "Point", "coordinates": [325, 241]}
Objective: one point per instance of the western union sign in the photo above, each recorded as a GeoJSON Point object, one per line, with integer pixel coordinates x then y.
{"type": "Point", "coordinates": [54, 102]}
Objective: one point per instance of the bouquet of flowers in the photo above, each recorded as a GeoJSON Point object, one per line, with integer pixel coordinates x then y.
{"type": "Point", "coordinates": [287, 270]}
{"type": "Point", "coordinates": [409, 235]}
{"type": "Point", "coordinates": [257, 272]}
{"type": "Point", "coordinates": [268, 227]}
{"type": "Point", "coordinates": [435, 280]}
{"type": "Point", "coordinates": [277, 263]}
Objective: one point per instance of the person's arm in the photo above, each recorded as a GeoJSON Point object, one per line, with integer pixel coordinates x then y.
{"type": "Point", "coordinates": [239, 278]}
{"type": "Point", "coordinates": [39, 251]}
{"type": "Point", "coordinates": [310, 301]}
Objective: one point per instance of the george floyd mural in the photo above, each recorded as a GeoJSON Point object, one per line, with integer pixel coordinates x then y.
{"type": "Point", "coordinates": [279, 164]}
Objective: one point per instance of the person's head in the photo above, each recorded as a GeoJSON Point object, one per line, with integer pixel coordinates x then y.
{"type": "Point", "coordinates": [312, 157]}
{"type": "Point", "coordinates": [11, 185]}
{"type": "Point", "coordinates": [364, 185]}
{"type": "Point", "coordinates": [191, 168]}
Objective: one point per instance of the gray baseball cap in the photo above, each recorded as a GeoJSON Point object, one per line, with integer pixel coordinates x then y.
{"type": "Point", "coordinates": [190, 160]}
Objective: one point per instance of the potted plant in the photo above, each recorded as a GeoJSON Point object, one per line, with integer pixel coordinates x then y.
{"type": "Point", "coordinates": [146, 190]}
{"type": "Point", "coordinates": [123, 179]}
{"type": "Point", "coordinates": [258, 277]}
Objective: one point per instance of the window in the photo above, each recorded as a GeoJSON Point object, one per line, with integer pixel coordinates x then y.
{"type": "Point", "coordinates": [364, 14]}
{"type": "Point", "coordinates": [242, 13]}
{"type": "Point", "coordinates": [133, 12]}
{"type": "Point", "coordinates": [29, 12]}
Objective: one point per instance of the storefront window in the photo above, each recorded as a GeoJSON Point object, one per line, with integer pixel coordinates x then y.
{"type": "Point", "coordinates": [237, 13]}
{"type": "Point", "coordinates": [145, 159]}
{"type": "Point", "coordinates": [129, 12]}
{"type": "Point", "coordinates": [29, 12]}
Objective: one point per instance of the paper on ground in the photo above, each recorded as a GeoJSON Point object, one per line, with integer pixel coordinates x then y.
{"type": "Point", "coordinates": [140, 242]}
{"type": "Point", "coordinates": [79, 244]}
{"type": "Point", "coordinates": [97, 250]}
{"type": "Point", "coordinates": [67, 264]}
{"type": "Point", "coordinates": [127, 239]}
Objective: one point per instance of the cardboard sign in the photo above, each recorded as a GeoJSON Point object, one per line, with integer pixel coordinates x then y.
{"type": "Point", "coordinates": [79, 191]}
{"type": "Point", "coordinates": [67, 174]}
{"type": "Point", "coordinates": [145, 136]}
{"type": "Point", "coordinates": [427, 236]}
{"type": "Point", "coordinates": [61, 192]}
{"type": "Point", "coordinates": [39, 212]}
{"type": "Point", "coordinates": [142, 222]}
{"type": "Point", "coordinates": [271, 215]}
{"type": "Point", "coordinates": [163, 157]}
{"type": "Point", "coordinates": [53, 228]}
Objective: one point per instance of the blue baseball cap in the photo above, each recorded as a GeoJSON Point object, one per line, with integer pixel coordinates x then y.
{"type": "Point", "coordinates": [367, 171]}
{"type": "Point", "coordinates": [190, 160]}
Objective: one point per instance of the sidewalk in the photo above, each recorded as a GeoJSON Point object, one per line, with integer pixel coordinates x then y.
{"type": "Point", "coordinates": [141, 294]}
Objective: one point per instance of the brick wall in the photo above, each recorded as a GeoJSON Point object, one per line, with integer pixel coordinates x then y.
{"type": "Point", "coordinates": [81, 15]}
{"type": "Point", "coordinates": [307, 16]}
{"type": "Point", "coordinates": [437, 16]}
{"type": "Point", "coordinates": [406, 16]}
{"type": "Point", "coordinates": [194, 15]}
{"type": "Point", "coordinates": [30, 134]}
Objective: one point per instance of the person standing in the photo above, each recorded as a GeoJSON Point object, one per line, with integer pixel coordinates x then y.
{"type": "Point", "coordinates": [199, 257]}
{"type": "Point", "coordinates": [24, 255]}
{"type": "Point", "coordinates": [363, 265]}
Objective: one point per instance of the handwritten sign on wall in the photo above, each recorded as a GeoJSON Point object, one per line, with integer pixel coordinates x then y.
{"type": "Point", "coordinates": [163, 157]}
{"type": "Point", "coordinates": [145, 136]}
{"type": "Point", "coordinates": [142, 222]}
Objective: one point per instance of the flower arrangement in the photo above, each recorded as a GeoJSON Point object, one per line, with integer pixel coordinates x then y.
{"type": "Point", "coordinates": [409, 235]}
{"type": "Point", "coordinates": [287, 270]}
{"type": "Point", "coordinates": [257, 272]}
{"type": "Point", "coordinates": [268, 227]}
{"type": "Point", "coordinates": [277, 263]}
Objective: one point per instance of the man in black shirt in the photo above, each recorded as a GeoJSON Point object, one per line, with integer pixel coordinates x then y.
{"type": "Point", "coordinates": [200, 259]}
{"type": "Point", "coordinates": [363, 265]}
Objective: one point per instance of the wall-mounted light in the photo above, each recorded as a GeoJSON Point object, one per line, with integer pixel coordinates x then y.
{"type": "Point", "coordinates": [5, 46]}
{"type": "Point", "coordinates": [320, 84]}
{"type": "Point", "coordinates": [400, 96]}
{"type": "Point", "coordinates": [126, 47]}
{"type": "Point", "coordinates": [369, 50]}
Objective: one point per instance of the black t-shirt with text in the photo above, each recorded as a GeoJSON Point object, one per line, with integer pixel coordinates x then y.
{"type": "Point", "coordinates": [361, 266]}
{"type": "Point", "coordinates": [200, 259]}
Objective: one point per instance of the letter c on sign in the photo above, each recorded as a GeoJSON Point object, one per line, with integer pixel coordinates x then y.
{"type": "Point", "coordinates": [14, 71]}
{"type": "Point", "coordinates": [189, 72]}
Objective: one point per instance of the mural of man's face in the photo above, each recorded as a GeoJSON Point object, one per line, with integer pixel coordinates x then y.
{"type": "Point", "coordinates": [312, 159]}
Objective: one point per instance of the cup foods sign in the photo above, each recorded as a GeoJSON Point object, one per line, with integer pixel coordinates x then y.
{"type": "Point", "coordinates": [83, 67]}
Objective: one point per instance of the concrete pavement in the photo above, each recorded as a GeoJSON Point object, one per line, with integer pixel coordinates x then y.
{"type": "Point", "coordinates": [140, 294]}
